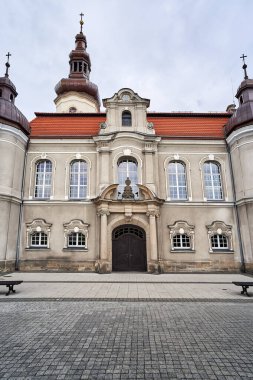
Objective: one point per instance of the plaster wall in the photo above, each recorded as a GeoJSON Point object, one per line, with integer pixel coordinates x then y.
{"type": "Point", "coordinates": [152, 161]}
{"type": "Point", "coordinates": [81, 101]}
{"type": "Point", "coordinates": [12, 156]}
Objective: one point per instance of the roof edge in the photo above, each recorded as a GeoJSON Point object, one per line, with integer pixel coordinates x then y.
{"type": "Point", "coordinates": [189, 114]}
{"type": "Point", "coordinates": [67, 114]}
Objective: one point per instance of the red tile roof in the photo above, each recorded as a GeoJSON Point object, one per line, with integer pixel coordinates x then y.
{"type": "Point", "coordinates": [66, 125]}
{"type": "Point", "coordinates": [167, 125]}
{"type": "Point", "coordinates": [189, 125]}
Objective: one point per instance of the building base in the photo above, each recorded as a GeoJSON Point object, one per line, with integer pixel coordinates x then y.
{"type": "Point", "coordinates": [7, 265]}
{"type": "Point", "coordinates": [56, 266]}
{"type": "Point", "coordinates": [199, 266]}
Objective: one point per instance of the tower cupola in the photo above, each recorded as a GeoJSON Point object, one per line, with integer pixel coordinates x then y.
{"type": "Point", "coordinates": [8, 111]}
{"type": "Point", "coordinates": [76, 93]}
{"type": "Point", "coordinates": [243, 116]}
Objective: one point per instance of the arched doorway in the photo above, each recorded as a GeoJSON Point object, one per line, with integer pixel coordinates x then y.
{"type": "Point", "coordinates": [129, 249]}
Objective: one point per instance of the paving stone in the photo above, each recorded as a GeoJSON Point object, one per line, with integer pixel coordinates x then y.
{"type": "Point", "coordinates": [126, 340]}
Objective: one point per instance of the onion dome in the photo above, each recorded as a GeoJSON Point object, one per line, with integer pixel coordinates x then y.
{"type": "Point", "coordinates": [243, 116]}
{"type": "Point", "coordinates": [8, 111]}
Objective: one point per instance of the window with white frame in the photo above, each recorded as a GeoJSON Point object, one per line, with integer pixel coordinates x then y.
{"type": "Point", "coordinates": [76, 239]}
{"type": "Point", "coordinates": [43, 179]}
{"type": "Point", "coordinates": [181, 236]}
{"type": "Point", "coordinates": [38, 234]}
{"type": "Point", "coordinates": [219, 242]}
{"type": "Point", "coordinates": [181, 241]}
{"type": "Point", "coordinates": [38, 239]}
{"type": "Point", "coordinates": [212, 181]}
{"type": "Point", "coordinates": [127, 168]}
{"type": "Point", "coordinates": [220, 237]}
{"type": "Point", "coordinates": [78, 179]}
{"type": "Point", "coordinates": [76, 235]}
{"type": "Point", "coordinates": [176, 176]}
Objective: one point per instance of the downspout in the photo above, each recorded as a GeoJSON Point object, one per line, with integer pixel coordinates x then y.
{"type": "Point", "coordinates": [237, 217]}
{"type": "Point", "coordinates": [21, 209]}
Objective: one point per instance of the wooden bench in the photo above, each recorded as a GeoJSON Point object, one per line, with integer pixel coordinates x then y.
{"type": "Point", "coordinates": [245, 285]}
{"type": "Point", "coordinates": [10, 284]}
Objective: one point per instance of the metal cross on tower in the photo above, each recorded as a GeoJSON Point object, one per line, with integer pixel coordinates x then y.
{"type": "Point", "coordinates": [8, 55]}
{"type": "Point", "coordinates": [81, 22]}
{"type": "Point", "coordinates": [244, 66]}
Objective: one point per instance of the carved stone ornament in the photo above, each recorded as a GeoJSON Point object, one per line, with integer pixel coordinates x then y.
{"type": "Point", "coordinates": [220, 228]}
{"type": "Point", "coordinates": [37, 225]}
{"type": "Point", "coordinates": [181, 227]}
{"type": "Point", "coordinates": [103, 212]}
{"type": "Point", "coordinates": [75, 225]}
{"type": "Point", "coordinates": [103, 125]}
{"type": "Point", "coordinates": [128, 191]}
{"type": "Point", "coordinates": [153, 213]}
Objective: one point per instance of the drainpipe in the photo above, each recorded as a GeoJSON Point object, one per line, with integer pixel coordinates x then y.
{"type": "Point", "coordinates": [21, 209]}
{"type": "Point", "coordinates": [237, 217]}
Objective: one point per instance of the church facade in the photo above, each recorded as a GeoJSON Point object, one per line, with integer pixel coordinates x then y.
{"type": "Point", "coordinates": [125, 189]}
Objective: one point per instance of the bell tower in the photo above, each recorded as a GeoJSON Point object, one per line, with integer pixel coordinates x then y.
{"type": "Point", "coordinates": [76, 94]}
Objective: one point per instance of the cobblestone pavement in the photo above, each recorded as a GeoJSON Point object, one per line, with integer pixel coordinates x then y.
{"type": "Point", "coordinates": [126, 340]}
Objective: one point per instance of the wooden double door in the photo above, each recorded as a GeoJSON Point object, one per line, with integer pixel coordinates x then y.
{"type": "Point", "coordinates": [129, 249]}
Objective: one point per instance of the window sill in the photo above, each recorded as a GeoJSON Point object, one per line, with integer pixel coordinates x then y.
{"type": "Point", "coordinates": [41, 199]}
{"type": "Point", "coordinates": [177, 200]}
{"type": "Point", "coordinates": [226, 251]}
{"type": "Point", "coordinates": [214, 200]}
{"type": "Point", "coordinates": [75, 249]}
{"type": "Point", "coordinates": [37, 248]}
{"type": "Point", "coordinates": [78, 199]}
{"type": "Point", "coordinates": [182, 251]}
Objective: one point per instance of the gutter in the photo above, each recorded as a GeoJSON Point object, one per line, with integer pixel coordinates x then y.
{"type": "Point", "coordinates": [237, 217]}
{"type": "Point", "coordinates": [21, 209]}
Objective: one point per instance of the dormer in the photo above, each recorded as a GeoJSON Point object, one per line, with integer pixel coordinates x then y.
{"type": "Point", "coordinates": [126, 111]}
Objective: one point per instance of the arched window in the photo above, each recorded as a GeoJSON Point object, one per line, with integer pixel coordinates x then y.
{"type": "Point", "coordinates": [11, 98]}
{"type": "Point", "coordinates": [219, 241]}
{"type": "Point", "coordinates": [127, 168]}
{"type": "Point", "coordinates": [1, 93]}
{"type": "Point", "coordinates": [126, 119]}
{"type": "Point", "coordinates": [181, 241]}
{"type": "Point", "coordinates": [38, 239]}
{"type": "Point", "coordinates": [43, 179]}
{"type": "Point", "coordinates": [78, 179]}
{"type": "Point", "coordinates": [176, 177]}
{"type": "Point", "coordinates": [76, 239]}
{"type": "Point", "coordinates": [212, 181]}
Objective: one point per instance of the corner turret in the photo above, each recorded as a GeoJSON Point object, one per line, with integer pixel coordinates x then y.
{"type": "Point", "coordinates": [9, 113]}
{"type": "Point", "coordinates": [14, 137]}
{"type": "Point", "coordinates": [243, 116]}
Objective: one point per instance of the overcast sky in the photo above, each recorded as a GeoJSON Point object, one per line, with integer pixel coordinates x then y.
{"type": "Point", "coordinates": [184, 55]}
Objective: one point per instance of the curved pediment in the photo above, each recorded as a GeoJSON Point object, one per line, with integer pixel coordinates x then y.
{"type": "Point", "coordinates": [110, 193]}
{"type": "Point", "coordinates": [146, 194]}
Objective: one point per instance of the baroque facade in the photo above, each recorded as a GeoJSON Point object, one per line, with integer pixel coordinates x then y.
{"type": "Point", "coordinates": [125, 189]}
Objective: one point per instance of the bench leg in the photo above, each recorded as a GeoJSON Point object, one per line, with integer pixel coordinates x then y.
{"type": "Point", "coordinates": [244, 290]}
{"type": "Point", "coordinates": [10, 289]}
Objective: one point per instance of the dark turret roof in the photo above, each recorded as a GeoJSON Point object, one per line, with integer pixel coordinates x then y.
{"type": "Point", "coordinates": [80, 67]}
{"type": "Point", "coordinates": [8, 111]}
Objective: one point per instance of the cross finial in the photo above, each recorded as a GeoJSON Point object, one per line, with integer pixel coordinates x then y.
{"type": "Point", "coordinates": [7, 65]}
{"type": "Point", "coordinates": [244, 66]}
{"type": "Point", "coordinates": [81, 22]}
